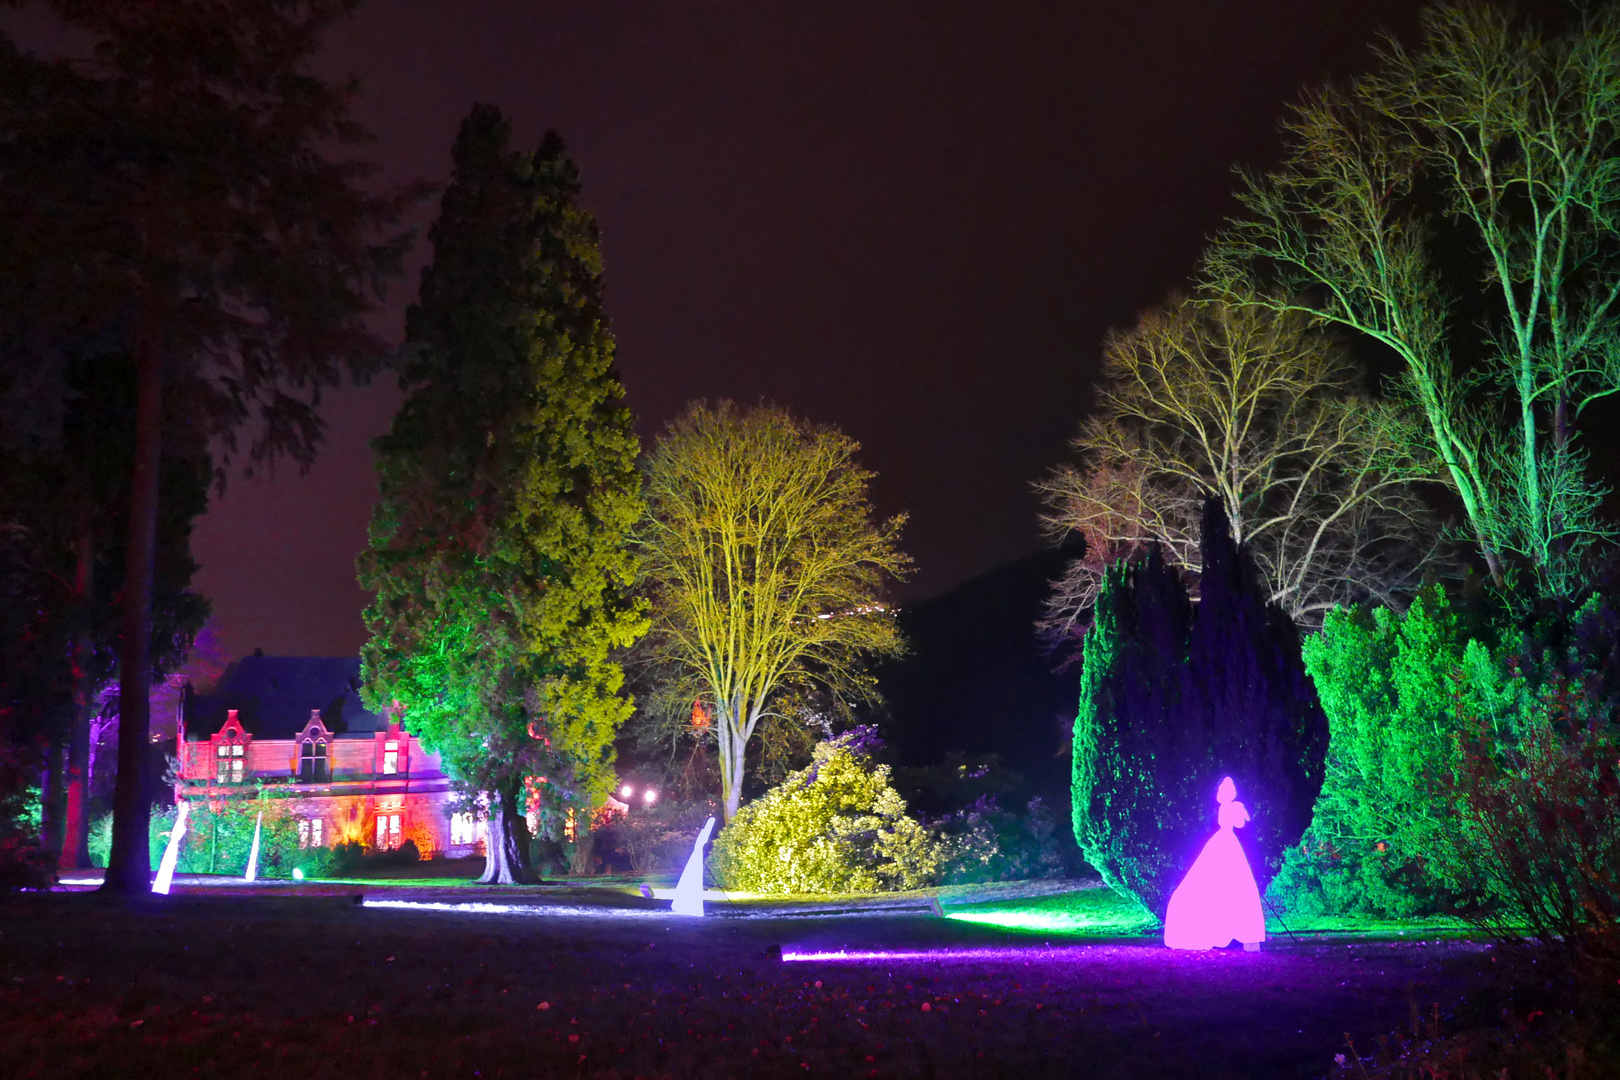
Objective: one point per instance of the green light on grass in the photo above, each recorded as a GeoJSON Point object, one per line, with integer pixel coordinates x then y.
{"type": "Point", "coordinates": [1055, 922]}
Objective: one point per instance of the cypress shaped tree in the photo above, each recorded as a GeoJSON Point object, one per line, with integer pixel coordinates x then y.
{"type": "Point", "coordinates": [1270, 733]}
{"type": "Point", "coordinates": [1137, 733]}
{"type": "Point", "coordinates": [508, 489]}
{"type": "Point", "coordinates": [1171, 700]}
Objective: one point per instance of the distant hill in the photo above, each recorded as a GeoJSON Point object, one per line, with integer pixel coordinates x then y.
{"type": "Point", "coordinates": [978, 680]}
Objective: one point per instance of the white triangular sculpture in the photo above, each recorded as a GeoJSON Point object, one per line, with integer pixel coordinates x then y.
{"type": "Point", "coordinates": [171, 854]}
{"type": "Point", "coordinates": [689, 890]}
{"type": "Point", "coordinates": [253, 852]}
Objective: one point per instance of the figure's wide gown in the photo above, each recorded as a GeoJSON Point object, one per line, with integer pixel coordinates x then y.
{"type": "Point", "coordinates": [1217, 902]}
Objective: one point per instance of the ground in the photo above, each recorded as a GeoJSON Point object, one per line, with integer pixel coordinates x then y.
{"type": "Point", "coordinates": [286, 982]}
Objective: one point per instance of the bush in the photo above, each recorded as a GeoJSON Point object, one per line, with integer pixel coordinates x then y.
{"type": "Point", "coordinates": [986, 843]}
{"type": "Point", "coordinates": [1389, 683]}
{"type": "Point", "coordinates": [658, 838]}
{"type": "Point", "coordinates": [1402, 691]}
{"type": "Point", "coordinates": [1536, 830]}
{"type": "Point", "coordinates": [23, 863]}
{"type": "Point", "coordinates": [837, 826]}
{"type": "Point", "coordinates": [1170, 703]}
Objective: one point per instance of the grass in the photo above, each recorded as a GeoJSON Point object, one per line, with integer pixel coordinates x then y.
{"type": "Point", "coordinates": [1099, 912]}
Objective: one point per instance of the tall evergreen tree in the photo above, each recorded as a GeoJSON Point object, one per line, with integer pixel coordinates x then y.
{"type": "Point", "coordinates": [1173, 699]}
{"type": "Point", "coordinates": [508, 490]}
{"type": "Point", "coordinates": [1245, 663]}
{"type": "Point", "coordinates": [175, 190]}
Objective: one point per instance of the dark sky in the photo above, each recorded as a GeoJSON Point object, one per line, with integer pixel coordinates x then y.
{"type": "Point", "coordinates": [914, 220]}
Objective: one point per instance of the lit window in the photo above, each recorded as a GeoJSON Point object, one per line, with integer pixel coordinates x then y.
{"type": "Point", "coordinates": [463, 828]}
{"type": "Point", "coordinates": [303, 833]}
{"type": "Point", "coordinates": [230, 763]}
{"type": "Point", "coordinates": [309, 832]}
{"type": "Point", "coordinates": [315, 839]}
{"type": "Point", "coordinates": [387, 831]}
{"type": "Point", "coordinates": [390, 758]}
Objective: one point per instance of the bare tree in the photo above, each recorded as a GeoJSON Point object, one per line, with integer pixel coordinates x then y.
{"type": "Point", "coordinates": [1518, 136]}
{"type": "Point", "coordinates": [1252, 408]}
{"type": "Point", "coordinates": [766, 569]}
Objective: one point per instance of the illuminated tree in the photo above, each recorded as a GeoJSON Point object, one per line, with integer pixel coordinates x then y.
{"type": "Point", "coordinates": [171, 192]}
{"type": "Point", "coordinates": [766, 570]}
{"type": "Point", "coordinates": [1171, 701]}
{"type": "Point", "coordinates": [1250, 408]}
{"type": "Point", "coordinates": [508, 492]}
{"type": "Point", "coordinates": [1515, 134]}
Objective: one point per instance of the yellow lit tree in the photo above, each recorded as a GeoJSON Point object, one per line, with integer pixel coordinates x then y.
{"type": "Point", "coordinates": [766, 568]}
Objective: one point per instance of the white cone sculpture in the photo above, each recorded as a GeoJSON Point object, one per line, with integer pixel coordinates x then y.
{"type": "Point", "coordinates": [253, 852]}
{"type": "Point", "coordinates": [171, 854]}
{"type": "Point", "coordinates": [689, 890]}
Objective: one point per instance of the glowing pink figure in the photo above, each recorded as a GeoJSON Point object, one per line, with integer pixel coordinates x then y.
{"type": "Point", "coordinates": [1218, 902]}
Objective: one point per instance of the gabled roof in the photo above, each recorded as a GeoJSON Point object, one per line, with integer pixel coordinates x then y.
{"type": "Point", "coordinates": [273, 696]}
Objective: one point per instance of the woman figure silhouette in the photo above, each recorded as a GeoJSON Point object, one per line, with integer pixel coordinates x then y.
{"type": "Point", "coordinates": [1217, 902]}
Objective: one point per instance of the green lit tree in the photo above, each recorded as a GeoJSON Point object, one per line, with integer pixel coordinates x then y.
{"type": "Point", "coordinates": [499, 547]}
{"type": "Point", "coordinates": [173, 191]}
{"type": "Point", "coordinates": [766, 570]}
{"type": "Point", "coordinates": [1515, 134]}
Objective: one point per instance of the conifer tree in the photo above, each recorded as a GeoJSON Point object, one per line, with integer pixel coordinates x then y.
{"type": "Point", "coordinates": [1173, 699]}
{"type": "Point", "coordinates": [508, 489]}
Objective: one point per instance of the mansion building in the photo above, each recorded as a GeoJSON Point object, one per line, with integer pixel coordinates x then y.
{"type": "Point", "coordinates": [295, 725]}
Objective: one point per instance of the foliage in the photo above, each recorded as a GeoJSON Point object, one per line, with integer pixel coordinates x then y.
{"type": "Point", "coordinates": [1536, 827]}
{"type": "Point", "coordinates": [658, 838]}
{"type": "Point", "coordinates": [1527, 1044]}
{"type": "Point", "coordinates": [508, 490]}
{"type": "Point", "coordinates": [985, 843]}
{"type": "Point", "coordinates": [1207, 400]}
{"type": "Point", "coordinates": [1170, 703]}
{"type": "Point", "coordinates": [1389, 683]}
{"type": "Point", "coordinates": [170, 189]}
{"type": "Point", "coordinates": [22, 863]}
{"type": "Point", "coordinates": [835, 827]}
{"type": "Point", "coordinates": [766, 570]}
{"type": "Point", "coordinates": [1514, 133]}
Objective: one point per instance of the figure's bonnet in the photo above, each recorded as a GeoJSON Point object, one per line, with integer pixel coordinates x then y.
{"type": "Point", "coordinates": [1226, 792]}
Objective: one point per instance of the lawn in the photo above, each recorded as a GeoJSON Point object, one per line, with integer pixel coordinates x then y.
{"type": "Point", "coordinates": [607, 985]}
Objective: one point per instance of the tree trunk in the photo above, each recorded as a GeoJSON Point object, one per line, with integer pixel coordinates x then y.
{"type": "Point", "coordinates": [76, 824]}
{"type": "Point", "coordinates": [506, 842]}
{"type": "Point", "coordinates": [732, 748]}
{"type": "Point", "coordinates": [51, 800]}
{"type": "Point", "coordinates": [129, 867]}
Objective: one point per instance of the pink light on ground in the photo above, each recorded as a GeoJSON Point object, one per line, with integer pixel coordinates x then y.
{"type": "Point", "coordinates": [1218, 902]}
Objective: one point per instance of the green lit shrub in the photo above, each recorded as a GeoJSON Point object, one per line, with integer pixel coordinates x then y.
{"type": "Point", "coordinates": [836, 826]}
{"type": "Point", "coordinates": [985, 843]}
{"type": "Point", "coordinates": [23, 863]}
{"type": "Point", "coordinates": [1389, 683]}
{"type": "Point", "coordinates": [1170, 703]}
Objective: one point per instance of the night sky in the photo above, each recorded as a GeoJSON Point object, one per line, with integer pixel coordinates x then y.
{"type": "Point", "coordinates": [914, 220]}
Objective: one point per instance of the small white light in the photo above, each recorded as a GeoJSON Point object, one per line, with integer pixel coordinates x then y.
{"type": "Point", "coordinates": [651, 796]}
{"type": "Point", "coordinates": [298, 875]}
{"type": "Point", "coordinates": [627, 791]}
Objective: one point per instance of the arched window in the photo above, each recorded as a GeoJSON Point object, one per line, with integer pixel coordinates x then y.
{"type": "Point", "coordinates": [313, 766]}
{"type": "Point", "coordinates": [232, 758]}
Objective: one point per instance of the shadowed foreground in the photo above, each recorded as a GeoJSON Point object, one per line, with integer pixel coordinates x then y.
{"type": "Point", "coordinates": [319, 987]}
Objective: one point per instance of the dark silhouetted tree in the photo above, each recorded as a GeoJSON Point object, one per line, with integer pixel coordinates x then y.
{"type": "Point", "coordinates": [1173, 699]}
{"type": "Point", "coordinates": [173, 189]}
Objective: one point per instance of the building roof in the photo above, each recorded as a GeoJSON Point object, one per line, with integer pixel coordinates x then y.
{"type": "Point", "coordinates": [273, 696]}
